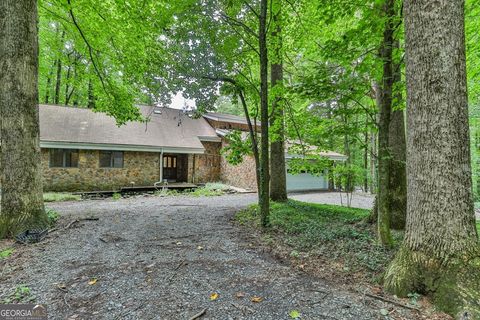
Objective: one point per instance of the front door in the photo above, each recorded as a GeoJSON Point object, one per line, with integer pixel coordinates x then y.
{"type": "Point", "coordinates": [170, 168]}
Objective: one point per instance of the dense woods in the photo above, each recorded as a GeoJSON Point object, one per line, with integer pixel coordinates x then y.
{"type": "Point", "coordinates": [342, 76]}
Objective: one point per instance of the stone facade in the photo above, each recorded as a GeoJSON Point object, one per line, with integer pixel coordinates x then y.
{"type": "Point", "coordinates": [143, 169]}
{"type": "Point", "coordinates": [205, 167]}
{"type": "Point", "coordinates": [139, 168]}
{"type": "Point", "coordinates": [242, 175]}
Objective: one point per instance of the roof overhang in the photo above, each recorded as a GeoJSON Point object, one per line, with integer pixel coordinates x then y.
{"type": "Point", "coordinates": [117, 147]}
{"type": "Point", "coordinates": [210, 138]}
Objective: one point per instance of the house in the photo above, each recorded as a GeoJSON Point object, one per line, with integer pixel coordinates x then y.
{"type": "Point", "coordinates": [83, 150]}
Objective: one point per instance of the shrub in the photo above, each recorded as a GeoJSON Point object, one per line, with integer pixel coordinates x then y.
{"type": "Point", "coordinates": [58, 196]}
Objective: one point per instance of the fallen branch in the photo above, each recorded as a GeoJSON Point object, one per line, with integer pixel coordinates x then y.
{"type": "Point", "coordinates": [198, 315]}
{"type": "Point", "coordinates": [175, 270]}
{"type": "Point", "coordinates": [399, 304]}
{"type": "Point", "coordinates": [78, 220]}
{"type": "Point", "coordinates": [72, 223]}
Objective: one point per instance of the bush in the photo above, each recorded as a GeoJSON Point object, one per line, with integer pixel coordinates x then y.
{"type": "Point", "coordinates": [5, 253]}
{"type": "Point", "coordinates": [53, 216]}
{"type": "Point", "coordinates": [59, 196]}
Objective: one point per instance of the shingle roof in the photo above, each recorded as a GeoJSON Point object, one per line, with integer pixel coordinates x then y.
{"type": "Point", "coordinates": [170, 129]}
{"type": "Point", "coordinates": [223, 117]}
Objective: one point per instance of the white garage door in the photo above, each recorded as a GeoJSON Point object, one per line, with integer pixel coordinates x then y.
{"type": "Point", "coordinates": [305, 182]}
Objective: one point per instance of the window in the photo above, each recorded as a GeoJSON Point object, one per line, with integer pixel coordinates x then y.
{"type": "Point", "coordinates": [63, 158]}
{"type": "Point", "coordinates": [111, 159]}
{"type": "Point", "coordinates": [169, 161]}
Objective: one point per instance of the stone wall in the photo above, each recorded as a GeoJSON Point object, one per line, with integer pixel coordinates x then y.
{"type": "Point", "coordinates": [141, 168]}
{"type": "Point", "coordinates": [242, 175]}
{"type": "Point", "coordinates": [206, 167]}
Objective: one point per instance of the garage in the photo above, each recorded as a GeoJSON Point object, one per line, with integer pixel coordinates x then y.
{"type": "Point", "coordinates": [305, 181]}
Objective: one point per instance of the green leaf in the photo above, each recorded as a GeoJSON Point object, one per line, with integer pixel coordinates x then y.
{"type": "Point", "coordinates": [294, 314]}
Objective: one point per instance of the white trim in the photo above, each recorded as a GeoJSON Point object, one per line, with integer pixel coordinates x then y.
{"type": "Point", "coordinates": [117, 147]}
{"type": "Point", "coordinates": [338, 157]}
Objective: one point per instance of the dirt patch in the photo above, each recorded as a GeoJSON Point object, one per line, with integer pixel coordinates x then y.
{"type": "Point", "coordinates": [163, 258]}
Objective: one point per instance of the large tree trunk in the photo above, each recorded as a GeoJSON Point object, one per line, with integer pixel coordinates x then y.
{"type": "Point", "coordinates": [397, 190]}
{"type": "Point", "coordinates": [385, 108]}
{"type": "Point", "coordinates": [440, 253]}
{"type": "Point", "coordinates": [365, 155]}
{"type": "Point", "coordinates": [264, 194]}
{"type": "Point", "coordinates": [278, 183]}
{"type": "Point", "coordinates": [20, 172]}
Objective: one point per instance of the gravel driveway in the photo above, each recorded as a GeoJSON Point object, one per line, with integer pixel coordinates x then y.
{"type": "Point", "coordinates": [162, 258]}
{"type": "Point", "coordinates": [359, 200]}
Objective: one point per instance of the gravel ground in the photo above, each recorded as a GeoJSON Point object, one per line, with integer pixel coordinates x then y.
{"type": "Point", "coordinates": [162, 258]}
{"type": "Point", "coordinates": [359, 200]}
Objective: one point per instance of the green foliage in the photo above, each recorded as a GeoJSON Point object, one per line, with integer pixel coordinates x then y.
{"type": "Point", "coordinates": [205, 192]}
{"type": "Point", "coordinates": [413, 298]}
{"type": "Point", "coordinates": [166, 193]}
{"type": "Point", "coordinates": [315, 165]}
{"type": "Point", "coordinates": [332, 232]}
{"type": "Point", "coordinates": [60, 196]}
{"type": "Point", "coordinates": [116, 196]}
{"type": "Point", "coordinates": [237, 148]}
{"type": "Point", "coordinates": [21, 294]}
{"type": "Point", "coordinates": [5, 253]}
{"type": "Point", "coordinates": [216, 186]}
{"type": "Point", "coordinates": [53, 216]}
{"type": "Point", "coordinates": [347, 176]}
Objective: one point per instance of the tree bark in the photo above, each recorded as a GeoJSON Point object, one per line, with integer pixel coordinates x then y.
{"type": "Point", "coordinates": [365, 155]}
{"type": "Point", "coordinates": [91, 95]}
{"type": "Point", "coordinates": [397, 190]}
{"type": "Point", "coordinates": [278, 183]}
{"type": "Point", "coordinates": [439, 255]}
{"type": "Point", "coordinates": [385, 109]}
{"type": "Point", "coordinates": [49, 82]}
{"type": "Point", "coordinates": [58, 82]}
{"type": "Point", "coordinates": [264, 194]}
{"type": "Point", "coordinates": [20, 172]}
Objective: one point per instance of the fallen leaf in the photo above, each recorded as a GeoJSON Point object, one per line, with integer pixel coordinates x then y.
{"type": "Point", "coordinates": [200, 248]}
{"type": "Point", "coordinates": [62, 286]}
{"type": "Point", "coordinates": [214, 296]}
{"type": "Point", "coordinates": [377, 290]}
{"type": "Point", "coordinates": [240, 294]}
{"type": "Point", "coordinates": [294, 314]}
{"type": "Point", "coordinates": [384, 312]}
{"type": "Point", "coordinates": [256, 299]}
{"type": "Point", "coordinates": [92, 281]}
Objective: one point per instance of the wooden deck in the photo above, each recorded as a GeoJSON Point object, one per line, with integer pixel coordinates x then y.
{"type": "Point", "coordinates": [138, 189]}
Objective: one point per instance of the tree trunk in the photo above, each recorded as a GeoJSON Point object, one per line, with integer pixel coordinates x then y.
{"type": "Point", "coordinates": [397, 190]}
{"type": "Point", "coordinates": [20, 172]}
{"type": "Point", "coordinates": [264, 194]}
{"type": "Point", "coordinates": [67, 84]}
{"type": "Point", "coordinates": [278, 183]}
{"type": "Point", "coordinates": [91, 96]}
{"type": "Point", "coordinates": [439, 255]}
{"type": "Point", "coordinates": [365, 155]}
{"type": "Point", "coordinates": [385, 108]}
{"type": "Point", "coordinates": [49, 82]}
{"type": "Point", "coordinates": [58, 83]}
